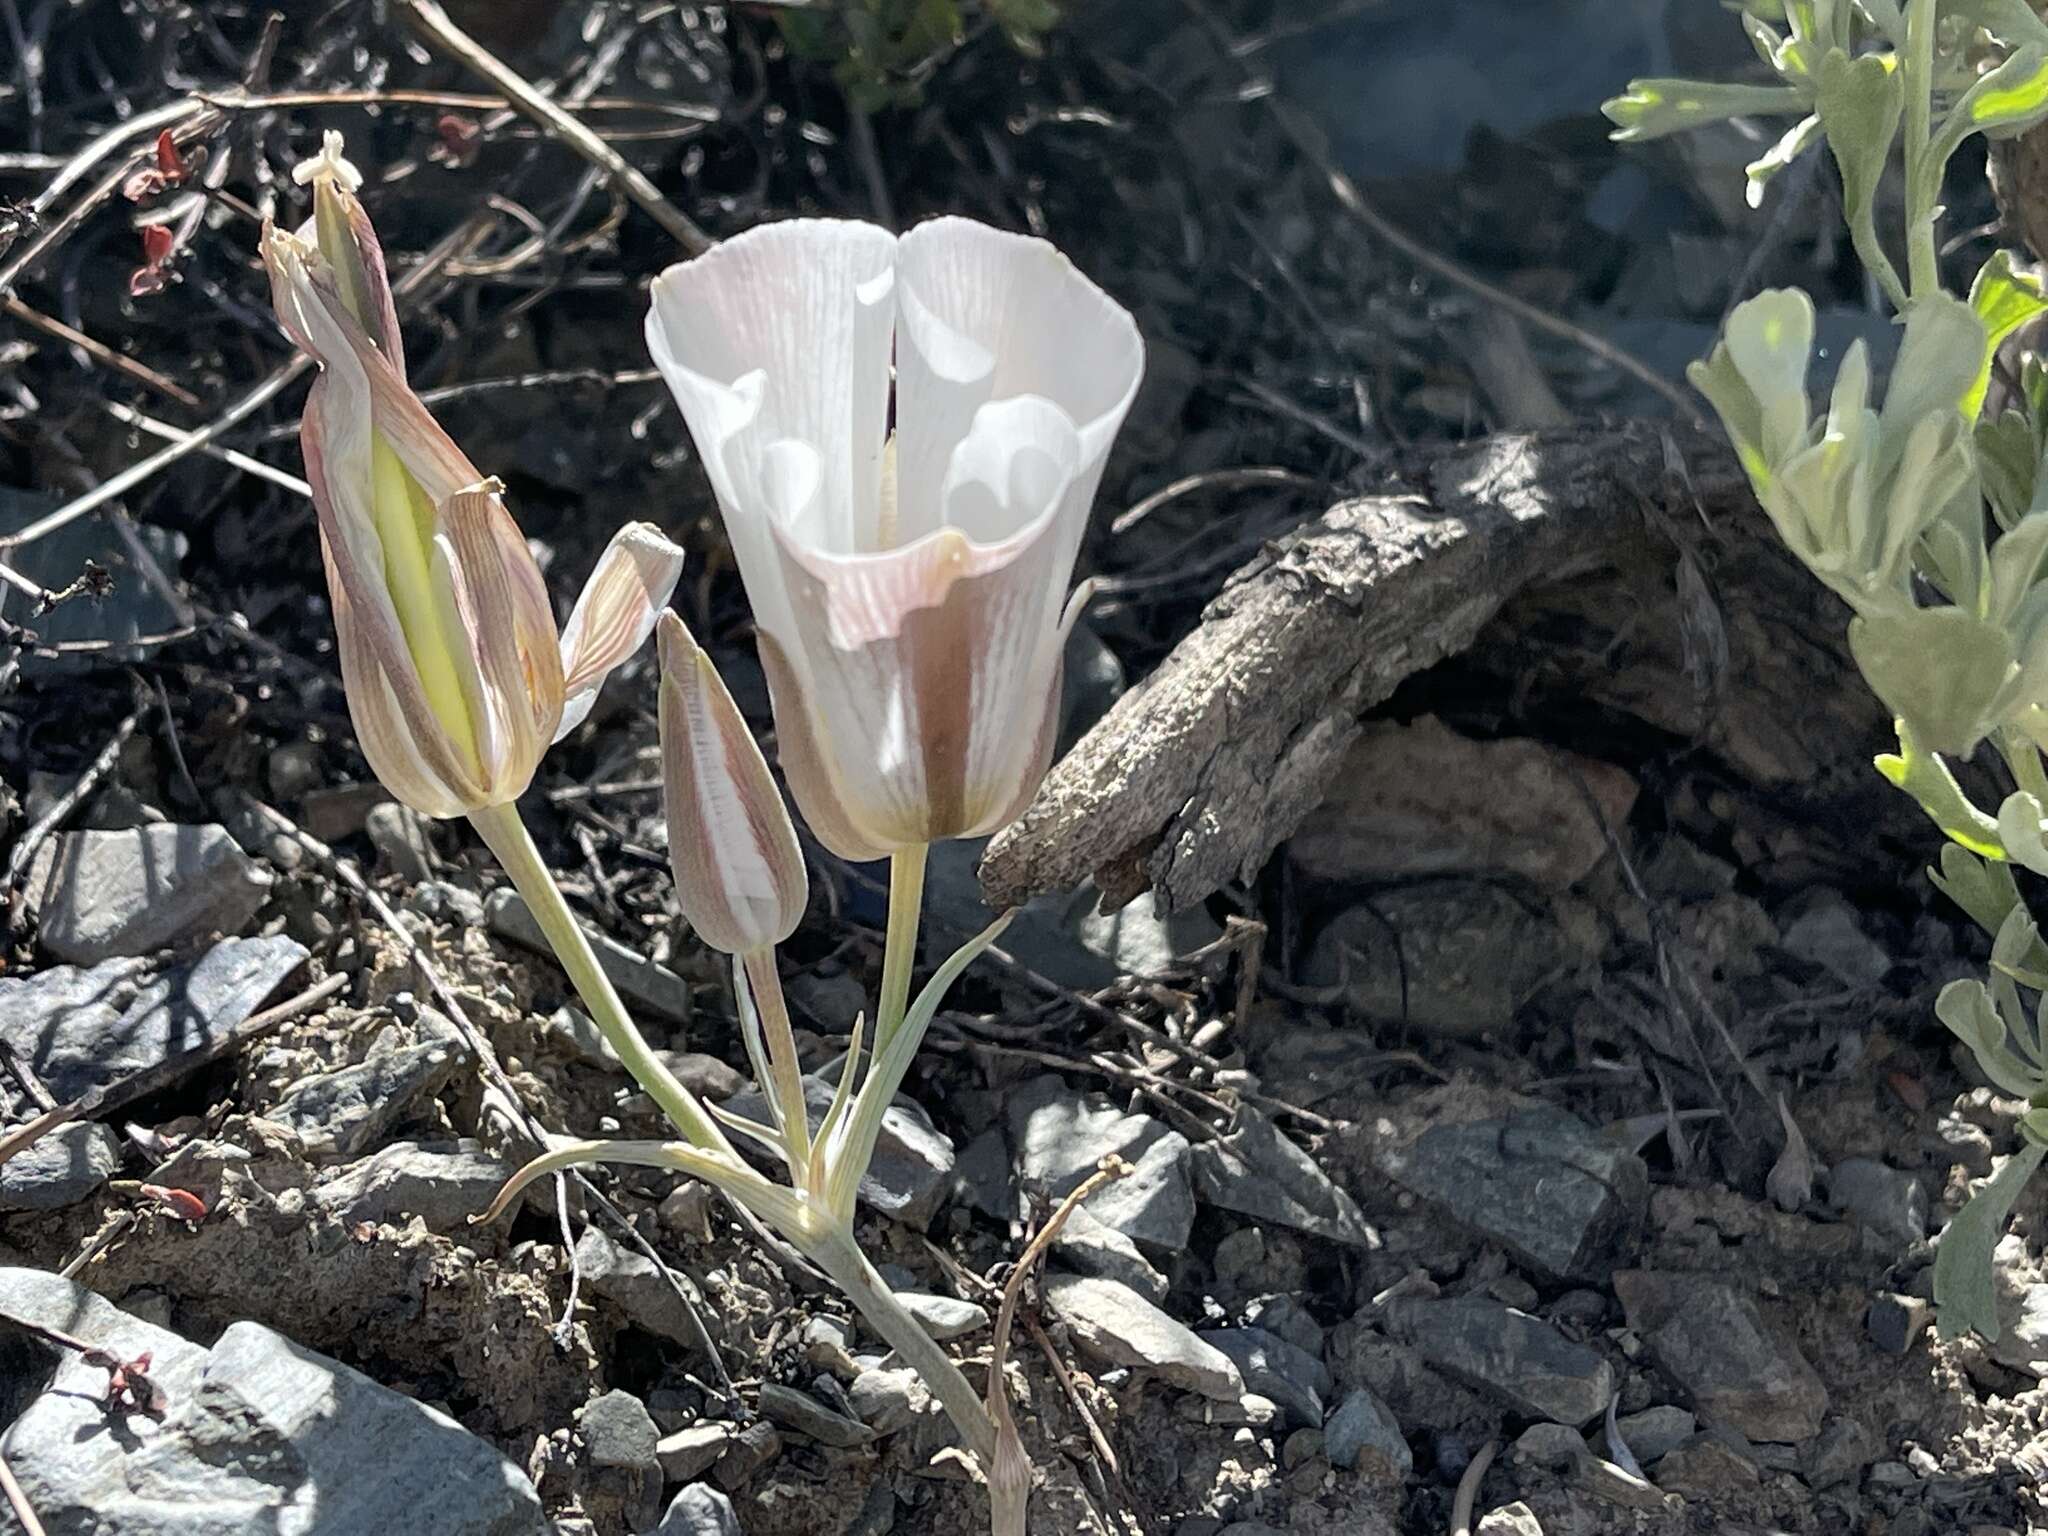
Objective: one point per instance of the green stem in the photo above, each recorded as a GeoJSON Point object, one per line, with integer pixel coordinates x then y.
{"type": "Point", "coordinates": [1923, 181]}
{"type": "Point", "coordinates": [764, 983]}
{"type": "Point", "coordinates": [505, 834]}
{"type": "Point", "coordinates": [899, 949]}
{"type": "Point", "coordinates": [840, 1257]}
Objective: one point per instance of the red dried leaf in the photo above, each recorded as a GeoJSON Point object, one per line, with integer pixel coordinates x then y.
{"type": "Point", "coordinates": [168, 160]}
{"type": "Point", "coordinates": [181, 1203]}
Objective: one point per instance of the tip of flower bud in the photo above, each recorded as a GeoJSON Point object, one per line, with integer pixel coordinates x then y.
{"type": "Point", "coordinates": [329, 165]}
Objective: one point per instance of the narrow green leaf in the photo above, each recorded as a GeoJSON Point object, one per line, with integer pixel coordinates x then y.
{"type": "Point", "coordinates": [1964, 1287]}
{"type": "Point", "coordinates": [2004, 298]}
{"type": "Point", "coordinates": [1981, 885]}
{"type": "Point", "coordinates": [1860, 101]}
{"type": "Point", "coordinates": [1936, 367]}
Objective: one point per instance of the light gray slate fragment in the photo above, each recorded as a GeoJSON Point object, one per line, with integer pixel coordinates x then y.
{"type": "Point", "coordinates": [1543, 1184]}
{"type": "Point", "coordinates": [261, 1435]}
{"type": "Point", "coordinates": [81, 1028]}
{"type": "Point", "coordinates": [630, 1282]}
{"type": "Point", "coordinates": [1518, 1360]}
{"type": "Point", "coordinates": [1712, 1340]}
{"type": "Point", "coordinates": [1364, 1436]}
{"type": "Point", "coordinates": [102, 895]}
{"type": "Point", "coordinates": [913, 1163]}
{"type": "Point", "coordinates": [655, 987]}
{"type": "Point", "coordinates": [442, 1183]}
{"type": "Point", "coordinates": [340, 1113]}
{"type": "Point", "coordinates": [1275, 1369]}
{"type": "Point", "coordinates": [60, 1168]}
{"type": "Point", "coordinates": [1257, 1171]}
{"type": "Point", "coordinates": [1059, 1136]}
{"type": "Point", "coordinates": [699, 1510]}
{"type": "Point", "coordinates": [1115, 1324]}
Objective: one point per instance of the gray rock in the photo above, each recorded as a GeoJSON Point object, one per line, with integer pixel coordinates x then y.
{"type": "Point", "coordinates": [1839, 1453]}
{"type": "Point", "coordinates": [1094, 1248]}
{"type": "Point", "coordinates": [692, 1450]}
{"type": "Point", "coordinates": [1654, 1431]}
{"type": "Point", "coordinates": [982, 1176]}
{"type": "Point", "coordinates": [1543, 1184]}
{"type": "Point", "coordinates": [629, 1281]}
{"type": "Point", "coordinates": [1829, 936]}
{"type": "Point", "coordinates": [341, 1113]}
{"type": "Point", "coordinates": [103, 895]}
{"type": "Point", "coordinates": [399, 834]}
{"type": "Point", "coordinates": [1895, 1322]}
{"type": "Point", "coordinates": [655, 987]}
{"type": "Point", "coordinates": [1251, 1409]}
{"type": "Point", "coordinates": [261, 1435]}
{"type": "Point", "coordinates": [1518, 1360]}
{"type": "Point", "coordinates": [1287, 1317]}
{"type": "Point", "coordinates": [446, 903]}
{"type": "Point", "coordinates": [618, 1431]}
{"type": "Point", "coordinates": [1059, 1136]}
{"type": "Point", "coordinates": [85, 1028]}
{"type": "Point", "coordinates": [1364, 1437]}
{"type": "Point", "coordinates": [1707, 1467]}
{"type": "Point", "coordinates": [889, 1399]}
{"type": "Point", "coordinates": [1551, 1445]}
{"type": "Point", "coordinates": [1516, 1519]}
{"type": "Point", "coordinates": [1604, 1480]}
{"type": "Point", "coordinates": [442, 1183]}
{"type": "Point", "coordinates": [1117, 1325]}
{"type": "Point", "coordinates": [1469, 954]}
{"type": "Point", "coordinates": [1884, 1200]}
{"type": "Point", "coordinates": [699, 1510]}
{"type": "Point", "coordinates": [1257, 1171]}
{"type": "Point", "coordinates": [1404, 806]}
{"type": "Point", "coordinates": [1713, 1342]}
{"type": "Point", "coordinates": [828, 1345]}
{"type": "Point", "coordinates": [809, 1417]}
{"type": "Point", "coordinates": [913, 1163]}
{"type": "Point", "coordinates": [1296, 1380]}
{"type": "Point", "coordinates": [60, 1168]}
{"type": "Point", "coordinates": [943, 1317]}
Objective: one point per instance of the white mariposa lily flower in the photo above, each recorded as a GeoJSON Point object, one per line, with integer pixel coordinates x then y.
{"type": "Point", "coordinates": [455, 678]}
{"type": "Point", "coordinates": [909, 586]}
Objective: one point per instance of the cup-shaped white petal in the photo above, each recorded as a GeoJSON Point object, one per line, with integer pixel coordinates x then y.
{"type": "Point", "coordinates": [739, 872]}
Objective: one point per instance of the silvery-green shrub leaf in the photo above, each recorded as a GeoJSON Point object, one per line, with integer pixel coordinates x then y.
{"type": "Point", "coordinates": [2007, 461]}
{"type": "Point", "coordinates": [1649, 109]}
{"type": "Point", "coordinates": [1860, 101]}
{"type": "Point", "coordinates": [1741, 413]}
{"type": "Point", "coordinates": [2019, 828]}
{"type": "Point", "coordinates": [2018, 562]}
{"type": "Point", "coordinates": [2007, 100]}
{"type": "Point", "coordinates": [1770, 340]}
{"type": "Point", "coordinates": [2004, 298]}
{"type": "Point", "coordinates": [1983, 888]}
{"type": "Point", "coordinates": [2013, 22]}
{"type": "Point", "coordinates": [1936, 367]}
{"type": "Point", "coordinates": [1934, 470]}
{"type": "Point", "coordinates": [1965, 1288]}
{"type": "Point", "coordinates": [2018, 951]}
{"type": "Point", "coordinates": [1885, 16]}
{"type": "Point", "coordinates": [1793, 143]}
{"type": "Point", "coordinates": [1938, 669]}
{"type": "Point", "coordinates": [1972, 1015]}
{"type": "Point", "coordinates": [1951, 549]}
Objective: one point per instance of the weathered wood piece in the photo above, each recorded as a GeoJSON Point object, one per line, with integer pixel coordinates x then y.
{"type": "Point", "coordinates": [1194, 777]}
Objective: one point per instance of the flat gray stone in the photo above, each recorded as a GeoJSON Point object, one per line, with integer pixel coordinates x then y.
{"type": "Point", "coordinates": [103, 895]}
{"type": "Point", "coordinates": [1559, 1196]}
{"type": "Point", "coordinates": [913, 1162]}
{"type": "Point", "coordinates": [943, 1317]}
{"type": "Point", "coordinates": [1518, 1360]}
{"type": "Point", "coordinates": [1829, 936]}
{"type": "Point", "coordinates": [889, 1399]}
{"type": "Point", "coordinates": [1257, 1171]}
{"type": "Point", "coordinates": [699, 1510]}
{"type": "Point", "coordinates": [261, 1436]}
{"type": "Point", "coordinates": [1713, 1342]}
{"type": "Point", "coordinates": [618, 1431]}
{"type": "Point", "coordinates": [1095, 1248]}
{"type": "Point", "coordinates": [629, 1281]}
{"type": "Point", "coordinates": [442, 1183]}
{"type": "Point", "coordinates": [61, 1168]}
{"type": "Point", "coordinates": [1058, 1136]}
{"type": "Point", "coordinates": [655, 987]}
{"type": "Point", "coordinates": [1654, 1431]}
{"type": "Point", "coordinates": [1275, 1369]}
{"type": "Point", "coordinates": [693, 1450]}
{"type": "Point", "coordinates": [808, 1417]}
{"type": "Point", "coordinates": [1363, 1436]}
{"type": "Point", "coordinates": [341, 1113]}
{"type": "Point", "coordinates": [1516, 1519]}
{"type": "Point", "coordinates": [1117, 1325]}
{"type": "Point", "coordinates": [81, 1028]}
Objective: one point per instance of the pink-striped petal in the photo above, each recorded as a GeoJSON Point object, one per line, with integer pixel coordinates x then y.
{"type": "Point", "coordinates": [614, 615]}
